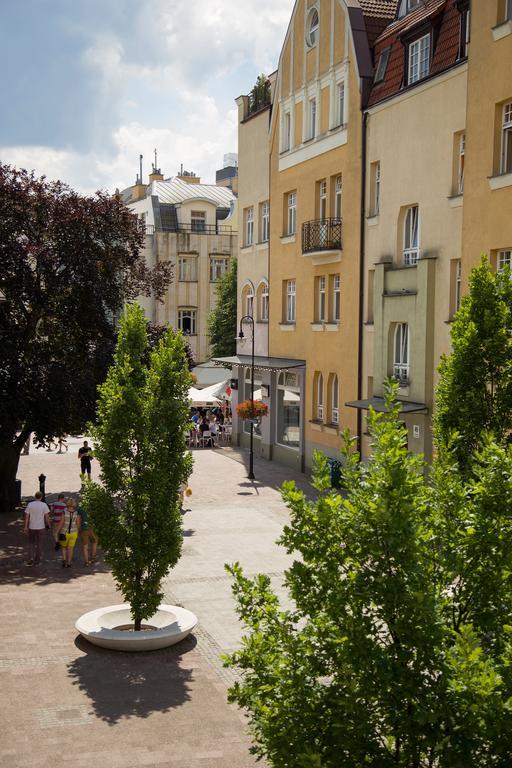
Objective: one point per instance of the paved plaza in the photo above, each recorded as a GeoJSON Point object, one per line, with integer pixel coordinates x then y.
{"type": "Point", "coordinates": [64, 700]}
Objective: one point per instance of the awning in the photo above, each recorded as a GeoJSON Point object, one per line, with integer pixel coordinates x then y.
{"type": "Point", "coordinates": [262, 363]}
{"type": "Point", "coordinates": [378, 404]}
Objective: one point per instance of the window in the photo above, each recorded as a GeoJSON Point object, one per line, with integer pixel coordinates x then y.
{"type": "Point", "coordinates": [419, 59]}
{"type": "Point", "coordinates": [374, 189]}
{"type": "Point", "coordinates": [369, 296]}
{"type": "Point", "coordinates": [249, 302]}
{"type": "Point", "coordinates": [321, 300]}
{"type": "Point", "coordinates": [312, 28]}
{"type": "Point", "coordinates": [218, 267]}
{"type": "Point", "coordinates": [187, 269]}
{"type": "Point", "coordinates": [504, 260]}
{"type": "Point", "coordinates": [337, 197]}
{"type": "Point", "coordinates": [401, 353]}
{"type": "Point", "coordinates": [319, 396]}
{"type": "Point", "coordinates": [406, 6]}
{"type": "Point", "coordinates": [322, 200]}
{"type": "Point", "coordinates": [249, 226]}
{"type": "Point", "coordinates": [287, 131]}
{"type": "Point", "coordinates": [336, 298]}
{"type": "Point", "coordinates": [455, 285]}
{"type": "Point", "coordinates": [288, 410]}
{"type": "Point", "coordinates": [464, 33]}
{"type": "Point", "coordinates": [248, 395]}
{"type": "Point", "coordinates": [506, 139]}
{"type": "Point", "coordinates": [508, 10]}
{"type": "Point", "coordinates": [264, 303]}
{"type": "Point", "coordinates": [265, 221]}
{"type": "Point", "coordinates": [504, 11]}
{"type": "Point", "coordinates": [198, 221]}
{"type": "Point", "coordinates": [411, 236]}
{"type": "Point", "coordinates": [292, 213]}
{"type": "Point", "coordinates": [187, 321]}
{"type": "Point", "coordinates": [340, 103]}
{"type": "Point", "coordinates": [382, 64]}
{"type": "Point", "coordinates": [335, 400]}
{"type": "Point", "coordinates": [290, 301]}
{"type": "Point", "coordinates": [458, 284]}
{"type": "Point", "coordinates": [462, 150]}
{"type": "Point", "coordinates": [312, 119]}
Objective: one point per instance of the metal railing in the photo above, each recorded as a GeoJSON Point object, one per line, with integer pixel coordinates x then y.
{"type": "Point", "coordinates": [401, 374]}
{"type": "Point", "coordinates": [321, 235]}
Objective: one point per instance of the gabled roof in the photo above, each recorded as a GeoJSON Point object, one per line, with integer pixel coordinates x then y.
{"type": "Point", "coordinates": [380, 8]}
{"type": "Point", "coordinates": [445, 54]}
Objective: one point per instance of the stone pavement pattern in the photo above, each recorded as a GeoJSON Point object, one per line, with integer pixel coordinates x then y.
{"type": "Point", "coordinates": [63, 699]}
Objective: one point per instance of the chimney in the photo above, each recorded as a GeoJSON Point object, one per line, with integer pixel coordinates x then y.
{"type": "Point", "coordinates": [188, 176]}
{"type": "Point", "coordinates": [156, 174]}
{"type": "Point", "coordinates": [139, 189]}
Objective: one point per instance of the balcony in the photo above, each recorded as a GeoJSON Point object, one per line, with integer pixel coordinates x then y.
{"type": "Point", "coordinates": [321, 239]}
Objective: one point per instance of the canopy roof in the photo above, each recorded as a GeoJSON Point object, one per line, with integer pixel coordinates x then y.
{"type": "Point", "coordinates": [378, 404]}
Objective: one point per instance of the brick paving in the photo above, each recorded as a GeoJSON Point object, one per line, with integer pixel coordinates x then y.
{"type": "Point", "coordinates": [63, 699]}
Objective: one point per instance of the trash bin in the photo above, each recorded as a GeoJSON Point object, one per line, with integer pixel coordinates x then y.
{"type": "Point", "coordinates": [17, 496]}
{"type": "Point", "coordinates": [335, 472]}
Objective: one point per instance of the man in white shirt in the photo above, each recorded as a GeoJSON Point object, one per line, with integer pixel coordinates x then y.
{"type": "Point", "coordinates": [37, 515]}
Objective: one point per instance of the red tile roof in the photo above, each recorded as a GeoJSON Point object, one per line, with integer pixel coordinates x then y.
{"type": "Point", "coordinates": [445, 15]}
{"type": "Point", "coordinates": [381, 8]}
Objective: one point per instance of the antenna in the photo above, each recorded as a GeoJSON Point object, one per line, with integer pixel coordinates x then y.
{"type": "Point", "coordinates": [155, 167]}
{"type": "Point", "coordinates": [140, 161]}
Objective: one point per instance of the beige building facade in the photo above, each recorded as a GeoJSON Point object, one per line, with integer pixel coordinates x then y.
{"type": "Point", "coordinates": [194, 227]}
{"type": "Point", "coordinates": [414, 203]}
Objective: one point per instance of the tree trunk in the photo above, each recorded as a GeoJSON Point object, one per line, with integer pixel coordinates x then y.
{"type": "Point", "coordinates": [137, 624]}
{"type": "Point", "coordinates": [9, 460]}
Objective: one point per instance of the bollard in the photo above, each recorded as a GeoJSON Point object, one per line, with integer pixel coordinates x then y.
{"type": "Point", "coordinates": [42, 480]}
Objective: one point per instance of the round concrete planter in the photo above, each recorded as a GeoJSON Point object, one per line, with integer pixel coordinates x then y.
{"type": "Point", "coordinates": [171, 623]}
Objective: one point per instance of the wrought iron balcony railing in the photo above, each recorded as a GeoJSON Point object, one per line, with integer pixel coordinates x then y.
{"type": "Point", "coordinates": [321, 235]}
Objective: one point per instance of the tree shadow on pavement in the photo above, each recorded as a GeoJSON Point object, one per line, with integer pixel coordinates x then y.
{"type": "Point", "coordinates": [125, 685]}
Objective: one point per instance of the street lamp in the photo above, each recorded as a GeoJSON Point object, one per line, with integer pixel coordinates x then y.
{"type": "Point", "coordinates": [250, 319]}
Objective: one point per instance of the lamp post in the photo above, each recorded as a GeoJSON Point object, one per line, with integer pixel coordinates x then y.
{"type": "Point", "coordinates": [250, 319]}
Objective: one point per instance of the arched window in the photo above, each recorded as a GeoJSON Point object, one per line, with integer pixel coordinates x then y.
{"type": "Point", "coordinates": [248, 299]}
{"type": "Point", "coordinates": [335, 399]}
{"type": "Point", "coordinates": [262, 299]}
{"type": "Point", "coordinates": [318, 396]}
{"type": "Point", "coordinates": [313, 25]}
{"type": "Point", "coordinates": [412, 235]}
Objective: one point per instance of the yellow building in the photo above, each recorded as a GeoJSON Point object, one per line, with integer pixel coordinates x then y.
{"type": "Point", "coordinates": [487, 223]}
{"type": "Point", "coordinates": [193, 226]}
{"type": "Point", "coordinates": [415, 195]}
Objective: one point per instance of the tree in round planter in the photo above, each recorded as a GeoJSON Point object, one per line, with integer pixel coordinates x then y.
{"type": "Point", "coordinates": [139, 441]}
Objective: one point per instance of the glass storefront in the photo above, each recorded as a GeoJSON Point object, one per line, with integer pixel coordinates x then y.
{"type": "Point", "coordinates": [288, 410]}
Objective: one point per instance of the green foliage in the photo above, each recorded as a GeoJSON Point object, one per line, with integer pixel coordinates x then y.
{"type": "Point", "coordinates": [395, 651]}
{"type": "Point", "coordinates": [139, 441]}
{"type": "Point", "coordinates": [259, 96]}
{"type": "Point", "coordinates": [474, 394]}
{"type": "Point", "coordinates": [222, 321]}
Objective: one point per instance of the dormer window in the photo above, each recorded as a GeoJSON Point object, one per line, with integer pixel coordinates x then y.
{"type": "Point", "coordinates": [406, 6]}
{"type": "Point", "coordinates": [382, 64]}
{"type": "Point", "coordinates": [313, 25]}
{"type": "Point", "coordinates": [418, 57]}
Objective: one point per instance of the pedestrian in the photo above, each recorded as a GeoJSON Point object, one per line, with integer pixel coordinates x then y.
{"type": "Point", "coordinates": [87, 535]}
{"type": "Point", "coordinates": [85, 456]}
{"type": "Point", "coordinates": [68, 532]}
{"type": "Point", "coordinates": [57, 510]}
{"type": "Point", "coordinates": [37, 517]}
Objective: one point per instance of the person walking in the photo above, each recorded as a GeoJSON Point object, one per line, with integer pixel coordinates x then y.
{"type": "Point", "coordinates": [87, 535]}
{"type": "Point", "coordinates": [84, 454]}
{"type": "Point", "coordinates": [68, 532]}
{"type": "Point", "coordinates": [37, 517]}
{"type": "Point", "coordinates": [57, 510]}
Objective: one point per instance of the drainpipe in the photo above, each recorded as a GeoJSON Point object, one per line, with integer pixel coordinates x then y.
{"type": "Point", "coordinates": [364, 131]}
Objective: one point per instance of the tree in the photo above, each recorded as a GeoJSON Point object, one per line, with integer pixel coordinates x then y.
{"type": "Point", "coordinates": [259, 96]}
{"type": "Point", "coordinates": [67, 264]}
{"type": "Point", "coordinates": [396, 649]}
{"type": "Point", "coordinates": [474, 394]}
{"type": "Point", "coordinates": [222, 321]}
{"type": "Point", "coordinates": [157, 332]}
{"type": "Point", "coordinates": [139, 440]}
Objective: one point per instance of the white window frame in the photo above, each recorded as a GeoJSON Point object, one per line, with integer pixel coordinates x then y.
{"type": "Point", "coordinates": [319, 397]}
{"type": "Point", "coordinates": [265, 221]}
{"type": "Point", "coordinates": [508, 10]}
{"type": "Point", "coordinates": [249, 301]}
{"type": "Point", "coordinates": [418, 56]}
{"type": "Point", "coordinates": [340, 103]}
{"type": "Point", "coordinates": [313, 27]}
{"type": "Point", "coordinates": [264, 306]}
{"type": "Point", "coordinates": [458, 284]}
{"type": "Point", "coordinates": [401, 353]}
{"type": "Point", "coordinates": [312, 115]}
{"type": "Point", "coordinates": [292, 213]}
{"type": "Point", "coordinates": [198, 221]}
{"type": "Point", "coordinates": [336, 298]}
{"type": "Point", "coordinates": [291, 301]}
{"type": "Point", "coordinates": [335, 400]}
{"type": "Point", "coordinates": [219, 265]}
{"type": "Point", "coordinates": [506, 138]}
{"type": "Point", "coordinates": [191, 314]}
{"type": "Point", "coordinates": [376, 199]}
{"type": "Point", "coordinates": [322, 299]}
{"type": "Point", "coordinates": [504, 259]}
{"type": "Point", "coordinates": [462, 151]}
{"type": "Point", "coordinates": [338, 197]}
{"type": "Point", "coordinates": [322, 200]}
{"type": "Point", "coordinates": [382, 65]}
{"type": "Point", "coordinates": [187, 269]}
{"type": "Point", "coordinates": [249, 226]}
{"type": "Point", "coordinates": [287, 131]}
{"type": "Point", "coordinates": [411, 251]}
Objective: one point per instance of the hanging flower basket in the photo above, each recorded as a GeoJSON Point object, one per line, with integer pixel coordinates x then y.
{"type": "Point", "coordinates": [252, 409]}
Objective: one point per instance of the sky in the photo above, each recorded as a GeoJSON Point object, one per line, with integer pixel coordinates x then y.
{"type": "Point", "coordinates": [88, 85]}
